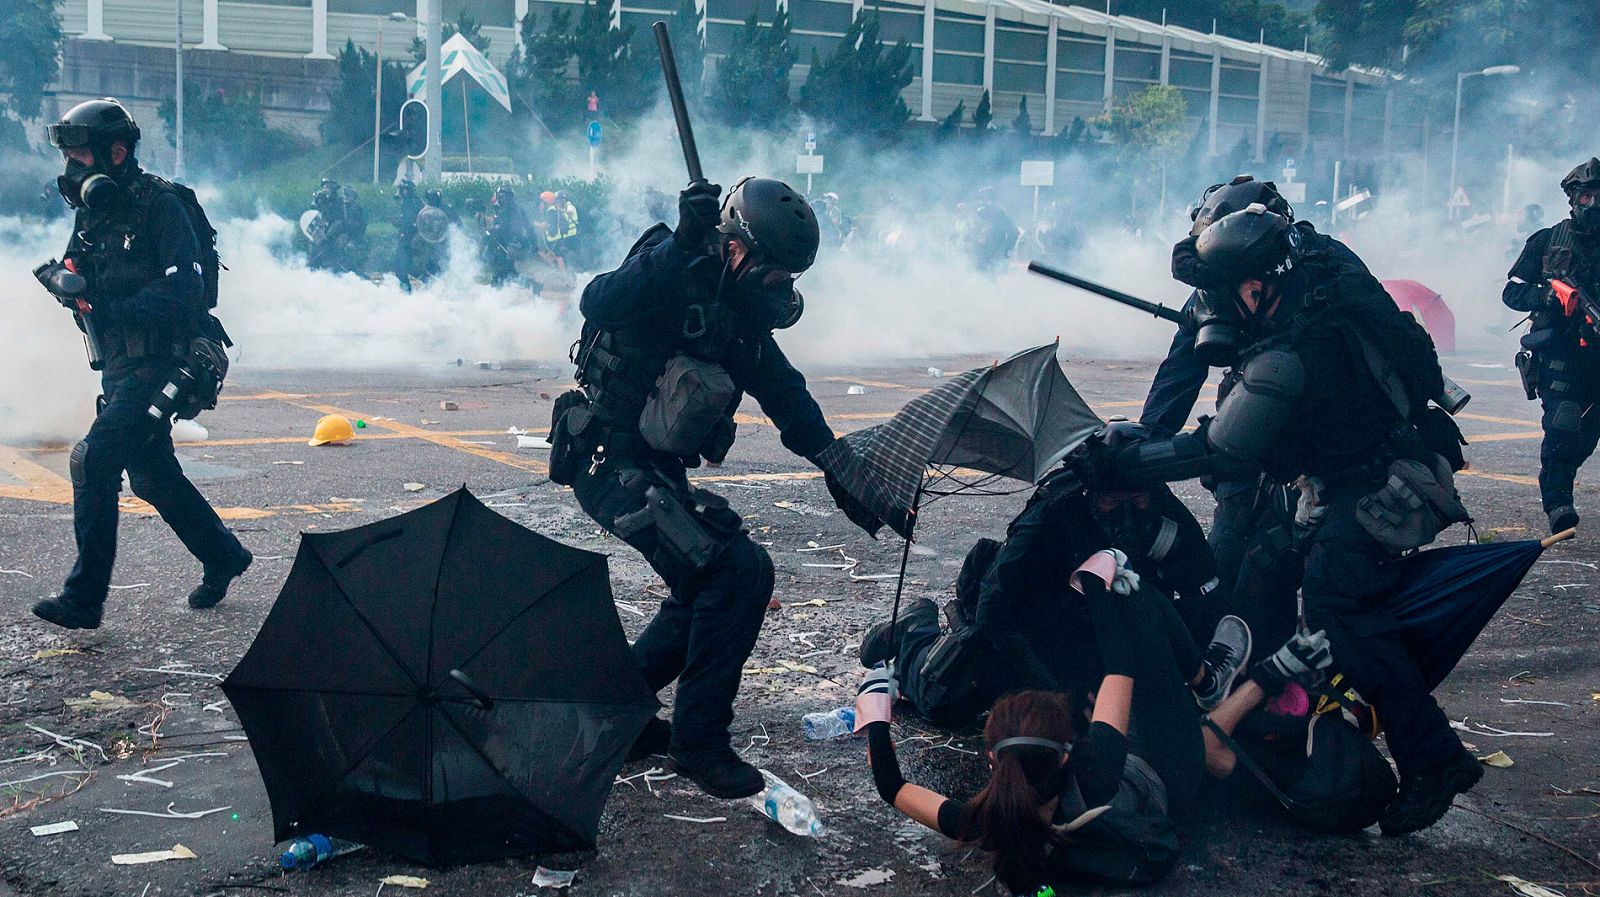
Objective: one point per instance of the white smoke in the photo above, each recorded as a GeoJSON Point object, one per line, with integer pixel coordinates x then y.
{"type": "Point", "coordinates": [46, 388]}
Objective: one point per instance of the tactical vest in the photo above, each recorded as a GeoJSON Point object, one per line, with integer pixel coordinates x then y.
{"type": "Point", "coordinates": [119, 256]}
{"type": "Point", "coordinates": [1565, 258]}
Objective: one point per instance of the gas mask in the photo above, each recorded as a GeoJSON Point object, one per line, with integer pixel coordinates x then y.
{"type": "Point", "coordinates": [1219, 331]}
{"type": "Point", "coordinates": [762, 305]}
{"type": "Point", "coordinates": [86, 187]}
{"type": "Point", "coordinates": [1127, 519]}
{"type": "Point", "coordinates": [1586, 217]}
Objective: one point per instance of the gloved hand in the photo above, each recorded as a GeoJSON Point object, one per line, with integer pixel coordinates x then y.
{"type": "Point", "coordinates": [1126, 581]}
{"type": "Point", "coordinates": [699, 212]}
{"type": "Point", "coordinates": [854, 511]}
{"type": "Point", "coordinates": [1300, 660]}
{"type": "Point", "coordinates": [876, 695]}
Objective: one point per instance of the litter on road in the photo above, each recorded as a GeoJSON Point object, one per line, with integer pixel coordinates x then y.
{"type": "Point", "coordinates": [403, 881]}
{"type": "Point", "coordinates": [177, 852]}
{"type": "Point", "coordinates": [54, 828]}
{"type": "Point", "coordinates": [1498, 759]}
{"type": "Point", "coordinates": [169, 814]}
{"type": "Point", "coordinates": [553, 878]}
{"type": "Point", "coordinates": [696, 819]}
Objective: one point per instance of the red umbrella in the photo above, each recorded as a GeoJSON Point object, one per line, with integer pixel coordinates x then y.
{"type": "Point", "coordinates": [1428, 307]}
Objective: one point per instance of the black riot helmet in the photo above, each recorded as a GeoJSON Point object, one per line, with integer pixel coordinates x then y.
{"type": "Point", "coordinates": [1240, 193]}
{"type": "Point", "coordinates": [405, 189]}
{"type": "Point", "coordinates": [774, 222]}
{"type": "Point", "coordinates": [1582, 186]}
{"type": "Point", "coordinates": [94, 125]}
{"type": "Point", "coordinates": [504, 196]}
{"type": "Point", "coordinates": [433, 197]}
{"type": "Point", "coordinates": [1253, 243]}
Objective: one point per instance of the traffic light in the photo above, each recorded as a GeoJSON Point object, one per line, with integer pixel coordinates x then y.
{"type": "Point", "coordinates": [414, 129]}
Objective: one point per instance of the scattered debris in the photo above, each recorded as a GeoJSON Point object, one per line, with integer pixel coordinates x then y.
{"type": "Point", "coordinates": [100, 700]}
{"type": "Point", "coordinates": [448, 405]}
{"type": "Point", "coordinates": [16, 573]}
{"type": "Point", "coordinates": [552, 878]}
{"type": "Point", "coordinates": [54, 828]}
{"type": "Point", "coordinates": [1498, 759]}
{"type": "Point", "coordinates": [935, 373]}
{"type": "Point", "coordinates": [1542, 703]}
{"type": "Point", "coordinates": [815, 602]}
{"type": "Point", "coordinates": [71, 744]}
{"type": "Point", "coordinates": [53, 652]}
{"type": "Point", "coordinates": [172, 672]}
{"type": "Point", "coordinates": [403, 881]}
{"type": "Point", "coordinates": [856, 391]}
{"type": "Point", "coordinates": [813, 546]}
{"type": "Point", "coordinates": [698, 819]}
{"type": "Point", "coordinates": [295, 463]}
{"type": "Point", "coordinates": [169, 814]}
{"type": "Point", "coordinates": [135, 585]}
{"type": "Point", "coordinates": [178, 852]}
{"type": "Point", "coordinates": [532, 442]}
{"type": "Point", "coordinates": [1487, 731]}
{"type": "Point", "coordinates": [1528, 888]}
{"type": "Point", "coordinates": [869, 877]}
{"type": "Point", "coordinates": [143, 775]}
{"type": "Point", "coordinates": [413, 487]}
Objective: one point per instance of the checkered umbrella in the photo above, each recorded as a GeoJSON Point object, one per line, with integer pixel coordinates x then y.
{"type": "Point", "coordinates": [1017, 419]}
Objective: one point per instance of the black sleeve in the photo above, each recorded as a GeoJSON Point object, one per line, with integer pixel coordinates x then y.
{"type": "Point", "coordinates": [639, 286]}
{"type": "Point", "coordinates": [1525, 290]}
{"type": "Point", "coordinates": [1096, 764]}
{"type": "Point", "coordinates": [176, 294]}
{"type": "Point", "coordinates": [1033, 558]}
{"type": "Point", "coordinates": [952, 818]}
{"type": "Point", "coordinates": [781, 391]}
{"type": "Point", "coordinates": [1177, 383]}
{"type": "Point", "coordinates": [886, 776]}
{"type": "Point", "coordinates": [1186, 265]}
{"type": "Point", "coordinates": [1189, 567]}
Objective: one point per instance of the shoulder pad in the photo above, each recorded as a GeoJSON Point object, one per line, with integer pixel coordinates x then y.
{"type": "Point", "coordinates": [657, 233]}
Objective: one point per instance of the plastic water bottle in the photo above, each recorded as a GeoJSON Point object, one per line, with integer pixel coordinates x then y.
{"type": "Point", "coordinates": [314, 850]}
{"type": "Point", "coordinates": [822, 725]}
{"type": "Point", "coordinates": [787, 807]}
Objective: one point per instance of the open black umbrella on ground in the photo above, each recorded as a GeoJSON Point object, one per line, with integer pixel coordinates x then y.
{"type": "Point", "coordinates": [444, 684]}
{"type": "Point", "coordinates": [1452, 593]}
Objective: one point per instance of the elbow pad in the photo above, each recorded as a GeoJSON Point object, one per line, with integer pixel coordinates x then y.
{"type": "Point", "coordinates": [1182, 457]}
{"type": "Point", "coordinates": [1259, 405]}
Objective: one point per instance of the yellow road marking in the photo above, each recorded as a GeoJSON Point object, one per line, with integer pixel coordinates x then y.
{"type": "Point", "coordinates": [1488, 382]}
{"type": "Point", "coordinates": [1503, 437]}
{"type": "Point", "coordinates": [1489, 418]}
{"type": "Point", "coordinates": [879, 384]}
{"type": "Point", "coordinates": [39, 483]}
{"type": "Point", "coordinates": [519, 462]}
{"type": "Point", "coordinates": [1501, 477]}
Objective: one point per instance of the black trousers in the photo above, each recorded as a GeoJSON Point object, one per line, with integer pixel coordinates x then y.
{"type": "Point", "coordinates": [1252, 537]}
{"type": "Point", "coordinates": [1348, 579]}
{"type": "Point", "coordinates": [705, 630]}
{"type": "Point", "coordinates": [124, 438]}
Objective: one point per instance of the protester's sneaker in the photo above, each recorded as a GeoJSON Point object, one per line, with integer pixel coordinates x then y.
{"type": "Point", "coordinates": [1563, 518]}
{"type": "Point", "coordinates": [1426, 796]}
{"type": "Point", "coordinates": [655, 739]}
{"type": "Point", "coordinates": [213, 586]}
{"type": "Point", "coordinates": [69, 612]}
{"type": "Point", "coordinates": [882, 643]}
{"type": "Point", "coordinates": [1229, 652]}
{"type": "Point", "coordinates": [718, 771]}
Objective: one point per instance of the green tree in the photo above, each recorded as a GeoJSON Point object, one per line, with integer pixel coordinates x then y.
{"type": "Point", "coordinates": [1022, 125]}
{"type": "Point", "coordinates": [465, 25]}
{"type": "Point", "coordinates": [688, 46]}
{"type": "Point", "coordinates": [983, 116]}
{"type": "Point", "coordinates": [610, 65]}
{"type": "Point", "coordinates": [950, 125]}
{"type": "Point", "coordinates": [1242, 19]}
{"type": "Point", "coordinates": [350, 102]}
{"type": "Point", "coordinates": [1148, 127]}
{"type": "Point", "coordinates": [751, 86]}
{"type": "Point", "coordinates": [225, 134]}
{"type": "Point", "coordinates": [856, 90]}
{"type": "Point", "coordinates": [30, 64]}
{"type": "Point", "coordinates": [536, 73]}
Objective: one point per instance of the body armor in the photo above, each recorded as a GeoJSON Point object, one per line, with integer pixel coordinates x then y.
{"type": "Point", "coordinates": [116, 254]}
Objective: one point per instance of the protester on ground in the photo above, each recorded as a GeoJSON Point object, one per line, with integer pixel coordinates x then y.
{"type": "Point", "coordinates": [1560, 361]}
{"type": "Point", "coordinates": [694, 307]}
{"type": "Point", "coordinates": [141, 293]}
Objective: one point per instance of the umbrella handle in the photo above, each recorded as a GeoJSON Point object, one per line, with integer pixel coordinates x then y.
{"type": "Point", "coordinates": [1564, 535]}
{"type": "Point", "coordinates": [484, 700]}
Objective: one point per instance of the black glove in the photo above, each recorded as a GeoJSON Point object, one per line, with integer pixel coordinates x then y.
{"type": "Point", "coordinates": [855, 511]}
{"type": "Point", "coordinates": [699, 212]}
{"type": "Point", "coordinates": [1301, 659]}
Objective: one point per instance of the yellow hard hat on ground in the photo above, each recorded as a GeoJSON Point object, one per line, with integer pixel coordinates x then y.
{"type": "Point", "coordinates": [333, 429]}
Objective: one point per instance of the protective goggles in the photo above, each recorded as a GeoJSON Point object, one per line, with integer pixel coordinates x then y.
{"type": "Point", "coordinates": [68, 136]}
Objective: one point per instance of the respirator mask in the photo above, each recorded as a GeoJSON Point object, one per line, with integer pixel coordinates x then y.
{"type": "Point", "coordinates": [85, 187]}
{"type": "Point", "coordinates": [1219, 328]}
{"type": "Point", "coordinates": [766, 297]}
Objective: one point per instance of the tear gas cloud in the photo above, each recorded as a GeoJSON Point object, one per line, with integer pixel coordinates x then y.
{"type": "Point", "coordinates": [46, 388]}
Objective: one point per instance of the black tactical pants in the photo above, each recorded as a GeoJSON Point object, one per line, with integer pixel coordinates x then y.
{"type": "Point", "coordinates": [1252, 536]}
{"type": "Point", "coordinates": [124, 438]}
{"type": "Point", "coordinates": [705, 630]}
{"type": "Point", "coordinates": [1569, 383]}
{"type": "Point", "coordinates": [1348, 580]}
{"type": "Point", "coordinates": [403, 266]}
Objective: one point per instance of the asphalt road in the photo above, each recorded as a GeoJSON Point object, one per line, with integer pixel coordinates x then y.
{"type": "Point", "coordinates": [142, 690]}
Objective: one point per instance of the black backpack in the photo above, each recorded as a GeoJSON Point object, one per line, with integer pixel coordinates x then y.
{"type": "Point", "coordinates": [1130, 841]}
{"type": "Point", "coordinates": [206, 235]}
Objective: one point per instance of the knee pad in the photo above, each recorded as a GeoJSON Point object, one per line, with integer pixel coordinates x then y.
{"type": "Point", "coordinates": [77, 463]}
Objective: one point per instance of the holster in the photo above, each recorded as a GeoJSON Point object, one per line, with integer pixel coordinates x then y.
{"type": "Point", "coordinates": [1528, 371]}
{"type": "Point", "coordinates": [693, 527]}
{"type": "Point", "coordinates": [569, 419]}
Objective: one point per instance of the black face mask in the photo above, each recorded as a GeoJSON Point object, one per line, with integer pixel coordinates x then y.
{"type": "Point", "coordinates": [1219, 329]}
{"type": "Point", "coordinates": [86, 187]}
{"type": "Point", "coordinates": [765, 306]}
{"type": "Point", "coordinates": [1586, 219]}
{"type": "Point", "coordinates": [1128, 527]}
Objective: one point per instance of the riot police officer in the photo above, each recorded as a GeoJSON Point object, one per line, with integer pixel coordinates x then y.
{"type": "Point", "coordinates": [672, 339]}
{"type": "Point", "coordinates": [508, 236]}
{"type": "Point", "coordinates": [405, 227]}
{"type": "Point", "coordinates": [1334, 386]}
{"type": "Point", "coordinates": [135, 246]}
{"type": "Point", "coordinates": [1559, 359]}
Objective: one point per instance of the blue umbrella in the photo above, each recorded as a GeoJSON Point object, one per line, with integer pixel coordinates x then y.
{"type": "Point", "coordinates": [1452, 593]}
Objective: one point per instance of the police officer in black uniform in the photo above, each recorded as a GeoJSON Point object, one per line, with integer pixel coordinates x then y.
{"type": "Point", "coordinates": [1560, 360]}
{"type": "Point", "coordinates": [671, 341]}
{"type": "Point", "coordinates": [508, 236]}
{"type": "Point", "coordinates": [405, 227]}
{"type": "Point", "coordinates": [135, 246]}
{"type": "Point", "coordinates": [1334, 384]}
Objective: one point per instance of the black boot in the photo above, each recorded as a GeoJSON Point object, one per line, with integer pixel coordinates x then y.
{"type": "Point", "coordinates": [718, 771]}
{"type": "Point", "coordinates": [882, 644]}
{"type": "Point", "coordinates": [213, 585]}
{"type": "Point", "coordinates": [1562, 519]}
{"type": "Point", "coordinates": [69, 612]}
{"type": "Point", "coordinates": [655, 739]}
{"type": "Point", "coordinates": [1426, 796]}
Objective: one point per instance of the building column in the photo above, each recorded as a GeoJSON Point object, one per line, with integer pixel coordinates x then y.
{"type": "Point", "coordinates": [95, 27]}
{"type": "Point", "coordinates": [855, 9]}
{"type": "Point", "coordinates": [1166, 59]}
{"type": "Point", "coordinates": [519, 11]}
{"type": "Point", "coordinates": [422, 19]}
{"type": "Point", "coordinates": [1261, 111]}
{"type": "Point", "coordinates": [208, 26]}
{"type": "Point", "coordinates": [1051, 34]}
{"type": "Point", "coordinates": [927, 61]}
{"type": "Point", "coordinates": [1388, 114]}
{"type": "Point", "coordinates": [319, 30]}
{"type": "Point", "coordinates": [1216, 94]}
{"type": "Point", "coordinates": [1110, 92]}
{"type": "Point", "coordinates": [988, 49]}
{"type": "Point", "coordinates": [1349, 109]}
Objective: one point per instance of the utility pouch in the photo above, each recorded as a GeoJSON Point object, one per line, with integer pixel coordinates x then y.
{"type": "Point", "coordinates": [568, 420]}
{"type": "Point", "coordinates": [686, 415]}
{"type": "Point", "coordinates": [1528, 371]}
{"type": "Point", "coordinates": [1414, 505]}
{"type": "Point", "coordinates": [949, 674]}
{"type": "Point", "coordinates": [1442, 435]}
{"type": "Point", "coordinates": [693, 533]}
